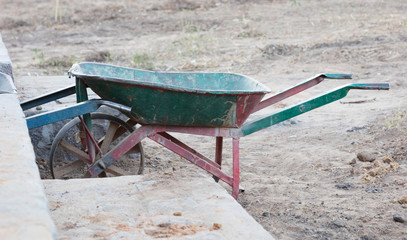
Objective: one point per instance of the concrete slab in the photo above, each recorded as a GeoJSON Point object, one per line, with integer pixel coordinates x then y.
{"type": "Point", "coordinates": [139, 207]}
{"type": "Point", "coordinates": [23, 206]}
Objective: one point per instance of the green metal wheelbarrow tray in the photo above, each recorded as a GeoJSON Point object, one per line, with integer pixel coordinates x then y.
{"type": "Point", "coordinates": [208, 104]}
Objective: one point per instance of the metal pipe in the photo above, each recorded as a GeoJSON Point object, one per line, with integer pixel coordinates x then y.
{"type": "Point", "coordinates": [298, 88]}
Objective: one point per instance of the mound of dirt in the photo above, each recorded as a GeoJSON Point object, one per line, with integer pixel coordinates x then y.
{"type": "Point", "coordinates": [381, 168]}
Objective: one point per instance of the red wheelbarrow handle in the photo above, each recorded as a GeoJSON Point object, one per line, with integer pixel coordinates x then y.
{"type": "Point", "coordinates": [299, 88]}
{"type": "Point", "coordinates": [307, 105]}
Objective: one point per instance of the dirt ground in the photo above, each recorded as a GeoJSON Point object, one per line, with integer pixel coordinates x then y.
{"type": "Point", "coordinates": [304, 178]}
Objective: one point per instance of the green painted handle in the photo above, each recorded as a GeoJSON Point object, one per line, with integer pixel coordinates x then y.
{"type": "Point", "coordinates": [307, 106]}
{"type": "Point", "coordinates": [337, 76]}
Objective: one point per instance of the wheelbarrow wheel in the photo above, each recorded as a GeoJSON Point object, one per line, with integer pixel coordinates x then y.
{"type": "Point", "coordinates": [69, 157]}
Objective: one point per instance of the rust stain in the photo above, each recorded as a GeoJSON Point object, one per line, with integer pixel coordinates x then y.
{"type": "Point", "coordinates": [3, 181]}
{"type": "Point", "coordinates": [216, 226]}
{"type": "Point", "coordinates": [120, 228]}
{"type": "Point", "coordinates": [166, 230]}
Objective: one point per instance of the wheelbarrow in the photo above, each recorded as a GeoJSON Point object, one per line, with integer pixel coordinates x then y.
{"type": "Point", "coordinates": [160, 103]}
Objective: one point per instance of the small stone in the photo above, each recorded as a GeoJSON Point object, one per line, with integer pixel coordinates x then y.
{"type": "Point", "coordinates": [266, 214]}
{"type": "Point", "coordinates": [387, 159]}
{"type": "Point", "coordinates": [177, 214]}
{"type": "Point", "coordinates": [372, 190]}
{"type": "Point", "coordinates": [403, 200]}
{"type": "Point", "coordinates": [217, 226]}
{"type": "Point", "coordinates": [366, 219]}
{"type": "Point", "coordinates": [365, 237]}
{"type": "Point", "coordinates": [354, 129]}
{"type": "Point", "coordinates": [164, 225]}
{"type": "Point", "coordinates": [366, 156]}
{"type": "Point", "coordinates": [398, 218]}
{"type": "Point", "coordinates": [345, 185]}
{"type": "Point", "coordinates": [338, 224]}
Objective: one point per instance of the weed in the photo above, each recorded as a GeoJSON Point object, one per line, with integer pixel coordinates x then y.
{"type": "Point", "coordinates": [243, 20]}
{"type": "Point", "coordinates": [250, 34]}
{"type": "Point", "coordinates": [143, 61]}
{"type": "Point", "coordinates": [395, 120]}
{"type": "Point", "coordinates": [189, 27]}
{"type": "Point", "coordinates": [38, 56]}
{"type": "Point", "coordinates": [245, 30]}
{"type": "Point", "coordinates": [54, 64]}
{"type": "Point", "coordinates": [295, 3]}
{"type": "Point", "coordinates": [61, 62]}
{"type": "Point", "coordinates": [99, 56]}
{"type": "Point", "coordinates": [195, 42]}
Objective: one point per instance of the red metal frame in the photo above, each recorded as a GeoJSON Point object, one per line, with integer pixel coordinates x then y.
{"type": "Point", "coordinates": [193, 156]}
{"type": "Point", "coordinates": [160, 135]}
{"type": "Point", "coordinates": [88, 139]}
{"type": "Point", "coordinates": [218, 154]}
{"type": "Point", "coordinates": [235, 184]}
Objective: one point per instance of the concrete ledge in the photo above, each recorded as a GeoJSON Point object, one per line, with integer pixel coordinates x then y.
{"type": "Point", "coordinates": [148, 207]}
{"type": "Point", "coordinates": [24, 210]}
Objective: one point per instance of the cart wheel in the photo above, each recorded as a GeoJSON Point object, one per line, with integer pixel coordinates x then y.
{"type": "Point", "coordinates": [70, 159]}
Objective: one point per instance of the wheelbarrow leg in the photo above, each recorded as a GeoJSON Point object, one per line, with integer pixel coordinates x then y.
{"type": "Point", "coordinates": [235, 184]}
{"type": "Point", "coordinates": [218, 154]}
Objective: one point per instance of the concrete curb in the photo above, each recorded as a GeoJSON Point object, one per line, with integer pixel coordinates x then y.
{"type": "Point", "coordinates": [24, 208]}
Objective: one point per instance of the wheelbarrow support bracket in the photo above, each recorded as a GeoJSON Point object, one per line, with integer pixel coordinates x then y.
{"type": "Point", "coordinates": [46, 98]}
{"type": "Point", "coordinates": [306, 106]}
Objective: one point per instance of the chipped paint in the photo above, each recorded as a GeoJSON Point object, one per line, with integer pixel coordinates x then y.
{"type": "Point", "coordinates": [230, 116]}
{"type": "Point", "coordinates": [245, 103]}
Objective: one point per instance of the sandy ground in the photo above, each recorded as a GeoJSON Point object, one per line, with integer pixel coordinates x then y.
{"type": "Point", "coordinates": [303, 179]}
